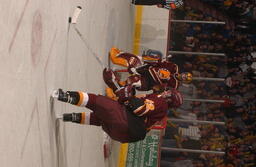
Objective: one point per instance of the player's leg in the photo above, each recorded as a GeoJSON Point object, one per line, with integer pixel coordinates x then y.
{"type": "Point", "coordinates": [115, 59]}
{"type": "Point", "coordinates": [148, 2]}
{"type": "Point", "coordinates": [106, 113]}
{"type": "Point", "coordinates": [77, 98]}
{"type": "Point", "coordinates": [86, 118]}
{"type": "Point", "coordinates": [124, 59]}
{"type": "Point", "coordinates": [80, 118]}
{"type": "Point", "coordinates": [112, 116]}
{"type": "Point", "coordinates": [80, 99]}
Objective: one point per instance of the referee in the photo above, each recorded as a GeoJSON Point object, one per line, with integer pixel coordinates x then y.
{"type": "Point", "coordinates": [168, 4]}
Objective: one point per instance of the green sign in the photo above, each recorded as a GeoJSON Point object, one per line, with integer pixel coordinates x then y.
{"type": "Point", "coordinates": [144, 153]}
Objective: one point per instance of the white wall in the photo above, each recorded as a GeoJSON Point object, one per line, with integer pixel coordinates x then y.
{"type": "Point", "coordinates": [154, 29]}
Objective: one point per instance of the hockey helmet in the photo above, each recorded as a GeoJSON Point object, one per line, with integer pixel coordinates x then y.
{"type": "Point", "coordinates": [151, 55]}
{"type": "Point", "coordinates": [185, 77]}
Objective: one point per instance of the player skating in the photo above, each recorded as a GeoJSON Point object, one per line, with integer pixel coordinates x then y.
{"type": "Point", "coordinates": [128, 122]}
{"type": "Point", "coordinates": [148, 72]}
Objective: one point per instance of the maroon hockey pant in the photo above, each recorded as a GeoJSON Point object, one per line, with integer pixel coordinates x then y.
{"type": "Point", "coordinates": [110, 115]}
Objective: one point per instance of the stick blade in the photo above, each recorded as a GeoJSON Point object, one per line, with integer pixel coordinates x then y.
{"type": "Point", "coordinates": [76, 14]}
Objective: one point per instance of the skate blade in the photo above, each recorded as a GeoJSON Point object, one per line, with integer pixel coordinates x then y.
{"type": "Point", "coordinates": [59, 117]}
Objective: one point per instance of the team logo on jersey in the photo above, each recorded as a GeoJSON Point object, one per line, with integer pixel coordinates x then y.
{"type": "Point", "coordinates": [144, 109]}
{"type": "Point", "coordinates": [164, 73]}
{"type": "Point", "coordinates": [149, 104]}
{"type": "Point", "coordinates": [133, 61]}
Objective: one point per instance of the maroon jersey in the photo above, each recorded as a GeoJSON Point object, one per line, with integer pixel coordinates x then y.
{"type": "Point", "coordinates": [154, 109]}
{"type": "Point", "coordinates": [164, 73]}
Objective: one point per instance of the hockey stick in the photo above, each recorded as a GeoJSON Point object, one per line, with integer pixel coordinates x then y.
{"type": "Point", "coordinates": [89, 48]}
{"type": "Point", "coordinates": [73, 21]}
{"type": "Point", "coordinates": [75, 15]}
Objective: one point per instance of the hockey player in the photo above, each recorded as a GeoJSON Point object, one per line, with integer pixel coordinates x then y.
{"type": "Point", "coordinates": [128, 122]}
{"type": "Point", "coordinates": [147, 72]}
{"type": "Point", "coordinates": [130, 60]}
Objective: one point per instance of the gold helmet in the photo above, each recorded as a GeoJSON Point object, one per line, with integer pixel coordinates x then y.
{"type": "Point", "coordinates": [185, 77]}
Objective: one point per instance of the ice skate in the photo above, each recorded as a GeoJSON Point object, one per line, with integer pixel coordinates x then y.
{"type": "Point", "coordinates": [74, 117]}
{"type": "Point", "coordinates": [59, 117]}
{"type": "Point", "coordinates": [61, 95]}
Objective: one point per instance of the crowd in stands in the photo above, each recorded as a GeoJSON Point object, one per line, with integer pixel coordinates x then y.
{"type": "Point", "coordinates": [241, 9]}
{"type": "Point", "coordinates": [238, 137]}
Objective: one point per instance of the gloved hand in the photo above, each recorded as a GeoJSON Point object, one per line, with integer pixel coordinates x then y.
{"type": "Point", "coordinates": [111, 79]}
{"type": "Point", "coordinates": [133, 70]}
{"type": "Point", "coordinates": [125, 93]}
{"type": "Point", "coordinates": [173, 98]}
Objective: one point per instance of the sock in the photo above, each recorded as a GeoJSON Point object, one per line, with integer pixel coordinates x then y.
{"type": "Point", "coordinates": [85, 118]}
{"type": "Point", "coordinates": [80, 118]}
{"type": "Point", "coordinates": [78, 98]}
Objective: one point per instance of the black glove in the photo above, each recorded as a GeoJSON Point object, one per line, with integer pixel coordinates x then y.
{"type": "Point", "coordinates": [125, 93]}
